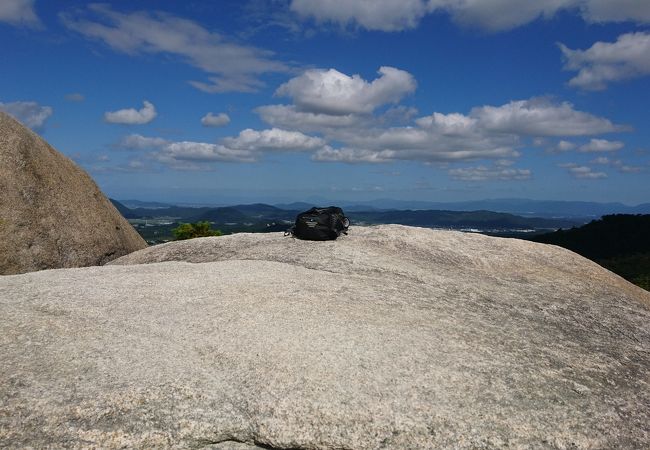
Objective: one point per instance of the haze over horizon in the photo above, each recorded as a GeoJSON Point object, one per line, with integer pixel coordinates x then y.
{"type": "Point", "coordinates": [278, 101]}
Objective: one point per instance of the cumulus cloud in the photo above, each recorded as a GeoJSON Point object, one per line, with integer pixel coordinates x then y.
{"type": "Point", "coordinates": [230, 66]}
{"type": "Point", "coordinates": [541, 117]}
{"type": "Point", "coordinates": [132, 116]}
{"type": "Point", "coordinates": [606, 62]}
{"type": "Point", "coordinates": [491, 15]}
{"type": "Point", "coordinates": [320, 91]}
{"type": "Point", "coordinates": [453, 124]}
{"type": "Point", "coordinates": [19, 12]}
{"type": "Point", "coordinates": [437, 138]}
{"type": "Point", "coordinates": [249, 146]}
{"type": "Point", "coordinates": [433, 152]}
{"type": "Point", "coordinates": [601, 145]}
{"type": "Point", "coordinates": [583, 172]}
{"type": "Point", "coordinates": [288, 116]}
{"type": "Point", "coordinates": [201, 152]}
{"type": "Point", "coordinates": [212, 120]}
{"type": "Point", "coordinates": [30, 114]}
{"type": "Point", "coordinates": [273, 139]}
{"type": "Point", "coordinates": [487, 132]}
{"type": "Point", "coordinates": [170, 152]}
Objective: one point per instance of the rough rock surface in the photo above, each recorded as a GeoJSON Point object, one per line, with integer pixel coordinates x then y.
{"type": "Point", "coordinates": [52, 214]}
{"type": "Point", "coordinates": [391, 337]}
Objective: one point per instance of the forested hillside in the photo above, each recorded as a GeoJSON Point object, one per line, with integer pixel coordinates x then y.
{"type": "Point", "coordinates": [618, 242]}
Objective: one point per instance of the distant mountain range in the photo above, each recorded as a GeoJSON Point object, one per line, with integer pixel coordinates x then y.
{"type": "Point", "coordinates": [260, 216]}
{"type": "Point", "coordinates": [521, 207]}
{"type": "Point", "coordinates": [517, 206]}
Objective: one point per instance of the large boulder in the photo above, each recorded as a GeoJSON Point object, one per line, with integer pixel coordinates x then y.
{"type": "Point", "coordinates": [52, 214]}
{"type": "Point", "coordinates": [391, 337]}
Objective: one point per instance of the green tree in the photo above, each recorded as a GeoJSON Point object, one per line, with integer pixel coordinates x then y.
{"type": "Point", "coordinates": [194, 230]}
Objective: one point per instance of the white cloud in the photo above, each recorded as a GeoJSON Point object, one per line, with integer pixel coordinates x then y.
{"type": "Point", "coordinates": [219, 85]}
{"type": "Point", "coordinates": [201, 152]}
{"type": "Point", "coordinates": [606, 62]}
{"type": "Point", "coordinates": [171, 153]}
{"type": "Point", "coordinates": [287, 116]}
{"type": "Point", "coordinates": [618, 165]}
{"type": "Point", "coordinates": [601, 145]}
{"type": "Point", "coordinates": [541, 117]}
{"type": "Point", "coordinates": [499, 15]}
{"type": "Point", "coordinates": [491, 15]}
{"type": "Point", "coordinates": [565, 146]}
{"type": "Point", "coordinates": [487, 132]}
{"type": "Point", "coordinates": [139, 142]}
{"type": "Point", "coordinates": [624, 168]}
{"type": "Point", "coordinates": [616, 11]}
{"type": "Point", "coordinates": [19, 12]}
{"type": "Point", "coordinates": [432, 152]}
{"type": "Point", "coordinates": [75, 97]}
{"type": "Point", "coordinates": [453, 124]}
{"type": "Point", "coordinates": [437, 138]}
{"type": "Point", "coordinates": [211, 120]}
{"type": "Point", "coordinates": [483, 173]}
{"type": "Point", "coordinates": [561, 146]}
{"type": "Point", "coordinates": [273, 139]}
{"type": "Point", "coordinates": [132, 116]}
{"type": "Point", "coordinates": [321, 91]}
{"type": "Point", "coordinates": [398, 115]}
{"type": "Point", "coordinates": [601, 160]}
{"type": "Point", "coordinates": [230, 66]}
{"type": "Point", "coordinates": [349, 155]}
{"type": "Point", "coordinates": [30, 114]}
{"type": "Point", "coordinates": [384, 15]}
{"type": "Point", "coordinates": [249, 146]}
{"type": "Point", "coordinates": [132, 166]}
{"type": "Point", "coordinates": [583, 172]}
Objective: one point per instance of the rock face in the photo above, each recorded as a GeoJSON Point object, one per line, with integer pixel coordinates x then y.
{"type": "Point", "coordinates": [391, 337]}
{"type": "Point", "coordinates": [52, 214]}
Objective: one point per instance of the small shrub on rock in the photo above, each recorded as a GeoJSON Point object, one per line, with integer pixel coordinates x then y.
{"type": "Point", "coordinates": [194, 230]}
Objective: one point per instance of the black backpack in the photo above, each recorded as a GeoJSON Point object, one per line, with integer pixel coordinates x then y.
{"type": "Point", "coordinates": [320, 224]}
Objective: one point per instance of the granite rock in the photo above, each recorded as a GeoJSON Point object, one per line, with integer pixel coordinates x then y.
{"type": "Point", "coordinates": [391, 337]}
{"type": "Point", "coordinates": [52, 214]}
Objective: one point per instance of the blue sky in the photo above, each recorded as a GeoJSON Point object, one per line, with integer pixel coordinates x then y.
{"type": "Point", "coordinates": [273, 100]}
